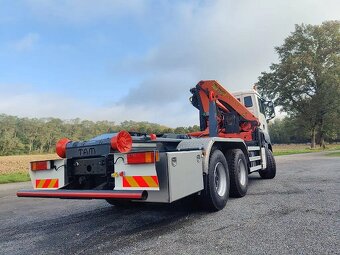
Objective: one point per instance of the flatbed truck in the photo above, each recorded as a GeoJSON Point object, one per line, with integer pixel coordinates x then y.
{"type": "Point", "coordinates": [210, 165]}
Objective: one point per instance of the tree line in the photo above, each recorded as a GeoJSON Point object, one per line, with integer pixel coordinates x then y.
{"type": "Point", "coordinates": [30, 136]}
{"type": "Point", "coordinates": [289, 130]}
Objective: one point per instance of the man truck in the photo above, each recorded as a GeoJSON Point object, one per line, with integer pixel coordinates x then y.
{"type": "Point", "coordinates": [210, 165]}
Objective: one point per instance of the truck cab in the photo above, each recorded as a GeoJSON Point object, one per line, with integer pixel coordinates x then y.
{"type": "Point", "coordinates": [262, 109]}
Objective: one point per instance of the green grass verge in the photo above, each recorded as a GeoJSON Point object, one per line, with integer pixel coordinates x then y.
{"type": "Point", "coordinates": [299, 151]}
{"type": "Point", "coordinates": [290, 152]}
{"type": "Point", "coordinates": [14, 177]}
{"type": "Point", "coordinates": [334, 154]}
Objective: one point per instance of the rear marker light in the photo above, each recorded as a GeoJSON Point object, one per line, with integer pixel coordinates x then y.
{"type": "Point", "coordinates": [60, 147]}
{"type": "Point", "coordinates": [143, 157]}
{"type": "Point", "coordinates": [40, 165]}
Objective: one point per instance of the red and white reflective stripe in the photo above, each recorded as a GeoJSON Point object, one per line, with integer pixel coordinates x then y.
{"type": "Point", "coordinates": [140, 181]}
{"type": "Point", "coordinates": [47, 183]}
{"type": "Point", "coordinates": [40, 165]}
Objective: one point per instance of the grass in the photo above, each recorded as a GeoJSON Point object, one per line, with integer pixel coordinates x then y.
{"type": "Point", "coordinates": [14, 177]}
{"type": "Point", "coordinates": [287, 149]}
{"type": "Point", "coordinates": [334, 154]}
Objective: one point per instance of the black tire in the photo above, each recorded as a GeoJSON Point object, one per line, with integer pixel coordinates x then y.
{"type": "Point", "coordinates": [216, 192]}
{"type": "Point", "coordinates": [270, 171]}
{"type": "Point", "coordinates": [119, 203]}
{"type": "Point", "coordinates": [238, 172]}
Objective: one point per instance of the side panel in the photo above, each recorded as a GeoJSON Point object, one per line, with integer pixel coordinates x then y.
{"type": "Point", "coordinates": [180, 174]}
{"type": "Point", "coordinates": [185, 173]}
{"type": "Point", "coordinates": [51, 179]}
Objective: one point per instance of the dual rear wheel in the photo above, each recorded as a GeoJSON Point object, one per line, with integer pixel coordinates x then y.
{"type": "Point", "coordinates": [227, 175]}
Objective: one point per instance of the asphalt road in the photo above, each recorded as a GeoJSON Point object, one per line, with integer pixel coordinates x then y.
{"type": "Point", "coordinates": [295, 213]}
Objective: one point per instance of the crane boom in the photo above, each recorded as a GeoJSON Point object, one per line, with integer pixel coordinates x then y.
{"type": "Point", "coordinates": [221, 114]}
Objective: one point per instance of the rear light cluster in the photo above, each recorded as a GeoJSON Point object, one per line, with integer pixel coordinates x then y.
{"type": "Point", "coordinates": [143, 157]}
{"type": "Point", "coordinates": [41, 165]}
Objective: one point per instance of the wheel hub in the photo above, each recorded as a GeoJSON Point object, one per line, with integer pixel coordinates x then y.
{"type": "Point", "coordinates": [220, 179]}
{"type": "Point", "coordinates": [242, 172]}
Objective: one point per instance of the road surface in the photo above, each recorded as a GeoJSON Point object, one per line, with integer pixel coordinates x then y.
{"type": "Point", "coordinates": [295, 213]}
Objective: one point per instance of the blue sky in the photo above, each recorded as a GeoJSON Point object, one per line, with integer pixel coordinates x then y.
{"type": "Point", "coordinates": [120, 60]}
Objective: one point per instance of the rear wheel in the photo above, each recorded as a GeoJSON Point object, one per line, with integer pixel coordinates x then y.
{"type": "Point", "coordinates": [216, 193]}
{"type": "Point", "coordinates": [270, 171]}
{"type": "Point", "coordinates": [238, 171]}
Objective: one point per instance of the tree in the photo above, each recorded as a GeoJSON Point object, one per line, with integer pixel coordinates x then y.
{"type": "Point", "coordinates": [24, 135]}
{"type": "Point", "coordinates": [306, 80]}
{"type": "Point", "coordinates": [286, 131]}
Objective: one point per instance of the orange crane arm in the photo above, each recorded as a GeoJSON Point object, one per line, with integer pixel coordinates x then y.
{"type": "Point", "coordinates": [221, 114]}
{"type": "Point", "coordinates": [222, 94]}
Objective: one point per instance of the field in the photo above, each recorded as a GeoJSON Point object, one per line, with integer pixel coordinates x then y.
{"type": "Point", "coordinates": [20, 163]}
{"type": "Point", "coordinates": [15, 168]}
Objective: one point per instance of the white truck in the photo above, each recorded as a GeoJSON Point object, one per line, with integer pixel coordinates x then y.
{"type": "Point", "coordinates": [211, 164]}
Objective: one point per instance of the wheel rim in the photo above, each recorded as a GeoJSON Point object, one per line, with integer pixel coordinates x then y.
{"type": "Point", "coordinates": [242, 174]}
{"type": "Point", "coordinates": [220, 179]}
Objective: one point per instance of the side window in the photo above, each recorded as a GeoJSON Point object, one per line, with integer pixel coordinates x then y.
{"type": "Point", "coordinates": [239, 99]}
{"type": "Point", "coordinates": [262, 107]}
{"type": "Point", "coordinates": [248, 102]}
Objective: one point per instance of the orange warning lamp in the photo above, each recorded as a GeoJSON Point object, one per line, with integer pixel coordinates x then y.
{"type": "Point", "coordinates": [122, 142]}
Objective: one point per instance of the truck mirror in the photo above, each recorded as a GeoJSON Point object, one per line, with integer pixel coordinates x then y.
{"type": "Point", "coordinates": [270, 111]}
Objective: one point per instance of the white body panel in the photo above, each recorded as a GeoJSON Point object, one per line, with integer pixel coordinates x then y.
{"type": "Point", "coordinates": [256, 109]}
{"type": "Point", "coordinates": [132, 170]}
{"type": "Point", "coordinates": [186, 176]}
{"type": "Point", "coordinates": [178, 180]}
{"type": "Point", "coordinates": [57, 173]}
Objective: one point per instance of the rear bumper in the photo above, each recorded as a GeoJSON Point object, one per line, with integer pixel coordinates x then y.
{"type": "Point", "coordinates": [85, 194]}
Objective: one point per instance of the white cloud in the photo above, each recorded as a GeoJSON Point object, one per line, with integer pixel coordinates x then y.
{"type": "Point", "coordinates": [34, 104]}
{"type": "Point", "coordinates": [230, 41]}
{"type": "Point", "coordinates": [26, 43]}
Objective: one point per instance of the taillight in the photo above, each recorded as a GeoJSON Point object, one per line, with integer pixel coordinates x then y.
{"type": "Point", "coordinates": [41, 165]}
{"type": "Point", "coordinates": [143, 157]}
{"type": "Point", "coordinates": [122, 142]}
{"type": "Point", "coordinates": [60, 147]}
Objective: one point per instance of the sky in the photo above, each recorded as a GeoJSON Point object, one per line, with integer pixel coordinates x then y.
{"type": "Point", "coordinates": [136, 60]}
